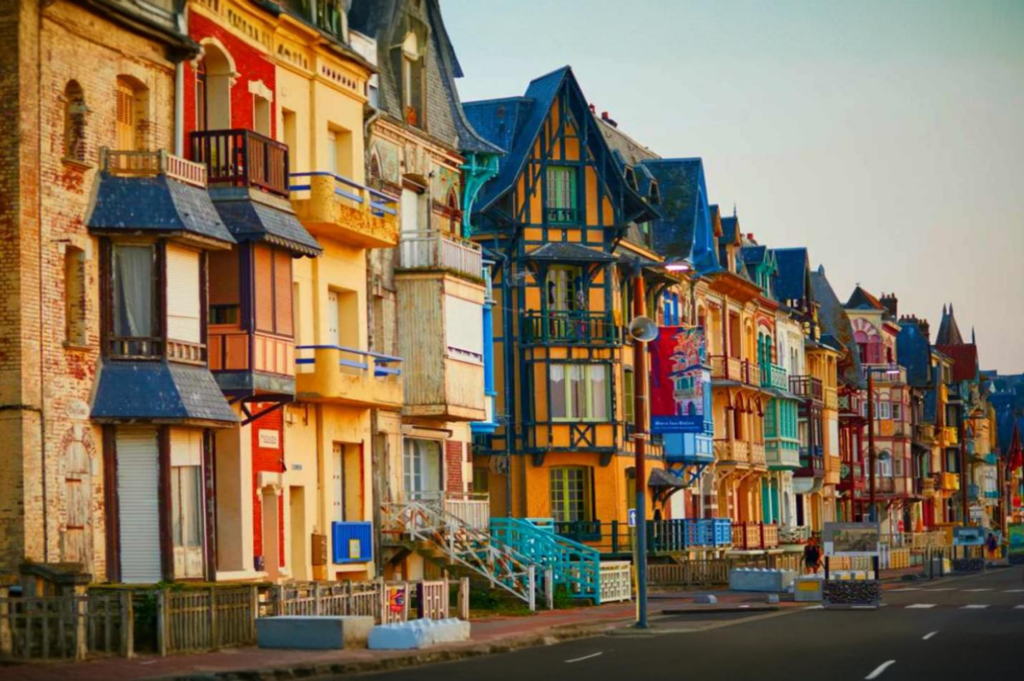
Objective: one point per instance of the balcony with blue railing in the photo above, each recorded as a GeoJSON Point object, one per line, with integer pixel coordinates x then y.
{"type": "Point", "coordinates": [339, 374]}
{"type": "Point", "coordinates": [569, 327]}
{"type": "Point", "coordinates": [337, 207]}
{"type": "Point", "coordinates": [774, 376]}
{"type": "Point", "coordinates": [614, 539]}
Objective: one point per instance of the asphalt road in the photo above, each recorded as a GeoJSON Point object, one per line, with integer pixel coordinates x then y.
{"type": "Point", "coordinates": [970, 627]}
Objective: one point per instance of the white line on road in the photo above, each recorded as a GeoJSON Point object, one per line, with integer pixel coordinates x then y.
{"type": "Point", "coordinates": [976, 590]}
{"type": "Point", "coordinates": [928, 635]}
{"type": "Point", "coordinates": [974, 607]}
{"type": "Point", "coordinates": [920, 606]}
{"type": "Point", "coordinates": [1018, 607]}
{"type": "Point", "coordinates": [1014, 591]}
{"type": "Point", "coordinates": [911, 588]}
{"type": "Point", "coordinates": [585, 657]}
{"type": "Point", "coordinates": [878, 672]}
{"type": "Point", "coordinates": [943, 588]}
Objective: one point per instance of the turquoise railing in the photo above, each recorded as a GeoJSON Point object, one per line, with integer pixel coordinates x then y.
{"type": "Point", "coordinates": [572, 564]}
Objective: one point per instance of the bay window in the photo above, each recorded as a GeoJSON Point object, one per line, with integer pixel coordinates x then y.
{"type": "Point", "coordinates": [134, 305]}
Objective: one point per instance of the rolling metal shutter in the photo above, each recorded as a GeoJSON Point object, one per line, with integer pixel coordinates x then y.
{"type": "Point", "coordinates": [183, 302]}
{"type": "Point", "coordinates": [138, 475]}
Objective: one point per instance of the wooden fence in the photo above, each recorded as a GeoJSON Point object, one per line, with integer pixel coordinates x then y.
{"type": "Point", "coordinates": [206, 619]}
{"type": "Point", "coordinates": [67, 627]}
{"type": "Point", "coordinates": [700, 572]}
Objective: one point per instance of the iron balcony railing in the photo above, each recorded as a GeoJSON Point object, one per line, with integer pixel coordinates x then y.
{"type": "Point", "coordinates": [807, 387]}
{"type": "Point", "coordinates": [242, 158]}
{"type": "Point", "coordinates": [569, 327]}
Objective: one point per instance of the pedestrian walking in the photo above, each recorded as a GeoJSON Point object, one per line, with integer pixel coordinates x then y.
{"type": "Point", "coordinates": [812, 556]}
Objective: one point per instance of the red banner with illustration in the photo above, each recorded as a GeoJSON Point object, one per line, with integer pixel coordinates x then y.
{"type": "Point", "coordinates": [680, 380]}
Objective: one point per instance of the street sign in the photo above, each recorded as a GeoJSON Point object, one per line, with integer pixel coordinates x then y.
{"type": "Point", "coordinates": [632, 517]}
{"type": "Point", "coordinates": [968, 536]}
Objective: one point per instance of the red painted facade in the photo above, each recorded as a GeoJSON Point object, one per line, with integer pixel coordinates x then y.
{"type": "Point", "coordinates": [267, 460]}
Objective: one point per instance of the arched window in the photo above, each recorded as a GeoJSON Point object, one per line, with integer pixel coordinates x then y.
{"type": "Point", "coordinates": [74, 122]}
{"type": "Point", "coordinates": [214, 74]}
{"type": "Point", "coordinates": [454, 214]}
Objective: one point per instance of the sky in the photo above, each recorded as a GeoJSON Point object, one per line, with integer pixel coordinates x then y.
{"type": "Point", "coordinates": [887, 137]}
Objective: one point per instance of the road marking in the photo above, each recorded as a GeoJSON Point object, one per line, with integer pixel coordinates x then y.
{"type": "Point", "coordinates": [920, 606]}
{"type": "Point", "coordinates": [911, 588]}
{"type": "Point", "coordinates": [944, 588]}
{"type": "Point", "coordinates": [878, 671]}
{"type": "Point", "coordinates": [1014, 591]}
{"type": "Point", "coordinates": [1018, 607]}
{"type": "Point", "coordinates": [974, 607]}
{"type": "Point", "coordinates": [976, 590]}
{"type": "Point", "coordinates": [585, 657]}
{"type": "Point", "coordinates": [928, 635]}
{"type": "Point", "coordinates": [816, 607]}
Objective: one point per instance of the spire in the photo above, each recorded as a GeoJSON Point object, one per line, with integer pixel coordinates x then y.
{"type": "Point", "coordinates": [973, 341]}
{"type": "Point", "coordinates": [949, 332]}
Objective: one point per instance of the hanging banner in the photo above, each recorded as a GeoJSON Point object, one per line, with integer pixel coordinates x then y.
{"type": "Point", "coordinates": [680, 380]}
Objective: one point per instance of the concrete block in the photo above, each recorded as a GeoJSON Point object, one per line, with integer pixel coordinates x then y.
{"type": "Point", "coordinates": [705, 599]}
{"type": "Point", "coordinates": [313, 632]}
{"type": "Point", "coordinates": [807, 589]}
{"type": "Point", "coordinates": [760, 579]}
{"type": "Point", "coordinates": [417, 634]}
{"type": "Point", "coordinates": [772, 599]}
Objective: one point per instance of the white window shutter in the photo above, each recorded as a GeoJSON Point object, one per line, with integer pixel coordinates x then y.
{"type": "Point", "coordinates": [183, 295]}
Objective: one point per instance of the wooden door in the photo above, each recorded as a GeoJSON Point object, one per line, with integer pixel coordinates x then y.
{"type": "Point", "coordinates": [126, 138]}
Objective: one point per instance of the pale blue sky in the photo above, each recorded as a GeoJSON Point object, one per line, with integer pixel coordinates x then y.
{"type": "Point", "coordinates": [887, 137]}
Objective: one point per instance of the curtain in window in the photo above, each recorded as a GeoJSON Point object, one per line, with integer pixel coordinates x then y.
{"type": "Point", "coordinates": [577, 391]}
{"type": "Point", "coordinates": [599, 392]}
{"type": "Point", "coordinates": [133, 291]}
{"type": "Point", "coordinates": [561, 188]}
{"type": "Point", "coordinates": [557, 380]}
{"type": "Point", "coordinates": [187, 527]}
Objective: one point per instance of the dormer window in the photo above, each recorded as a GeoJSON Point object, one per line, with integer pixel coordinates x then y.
{"type": "Point", "coordinates": [412, 80]}
{"type": "Point", "coordinates": [631, 178]}
{"type": "Point", "coordinates": [654, 194]}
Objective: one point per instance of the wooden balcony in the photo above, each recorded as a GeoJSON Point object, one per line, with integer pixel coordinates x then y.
{"type": "Point", "coordinates": [734, 452]}
{"type": "Point", "coordinates": [750, 536]}
{"type": "Point", "coordinates": [472, 508]}
{"type": "Point", "coordinates": [774, 376]}
{"type": "Point", "coordinates": [725, 368]}
{"type": "Point", "coordinates": [881, 373]}
{"type": "Point", "coordinates": [334, 373]}
{"type": "Point", "coordinates": [850, 404]}
{"type": "Point", "coordinates": [807, 387]}
{"type": "Point", "coordinates": [949, 436]}
{"type": "Point", "coordinates": [336, 207]}
{"type": "Point", "coordinates": [434, 250]}
{"type": "Point", "coordinates": [924, 432]}
{"type": "Point", "coordinates": [443, 366]}
{"type": "Point", "coordinates": [247, 361]}
{"type": "Point", "coordinates": [812, 462]}
{"type": "Point", "coordinates": [851, 476]}
{"type": "Point", "coordinates": [569, 327]}
{"type": "Point", "coordinates": [242, 158]}
{"type": "Point", "coordinates": [150, 164]}
{"type": "Point", "coordinates": [757, 455]}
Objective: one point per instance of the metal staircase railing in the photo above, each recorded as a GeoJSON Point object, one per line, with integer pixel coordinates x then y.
{"type": "Point", "coordinates": [463, 544]}
{"type": "Point", "coordinates": [573, 564]}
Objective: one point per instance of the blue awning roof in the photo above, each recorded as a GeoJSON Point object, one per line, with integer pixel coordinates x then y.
{"type": "Point", "coordinates": [157, 391]}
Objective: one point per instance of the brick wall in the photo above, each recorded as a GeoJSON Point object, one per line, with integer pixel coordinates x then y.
{"type": "Point", "coordinates": [453, 466]}
{"type": "Point", "coordinates": [46, 387]}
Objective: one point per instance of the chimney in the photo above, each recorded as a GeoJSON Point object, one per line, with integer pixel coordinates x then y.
{"type": "Point", "coordinates": [926, 330]}
{"type": "Point", "coordinates": [890, 302]}
{"type": "Point", "coordinates": [593, 109]}
{"type": "Point", "coordinates": [607, 119]}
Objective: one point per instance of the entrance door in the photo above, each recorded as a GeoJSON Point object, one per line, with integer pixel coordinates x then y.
{"type": "Point", "coordinates": [138, 475]}
{"type": "Point", "coordinates": [338, 484]}
{"type": "Point", "coordinates": [297, 518]}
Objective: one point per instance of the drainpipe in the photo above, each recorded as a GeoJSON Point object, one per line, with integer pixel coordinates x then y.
{"type": "Point", "coordinates": [179, 93]}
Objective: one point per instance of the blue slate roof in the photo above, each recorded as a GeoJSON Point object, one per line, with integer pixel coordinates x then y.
{"type": "Point", "coordinates": [684, 228]}
{"type": "Point", "coordinates": [514, 123]}
{"type": "Point", "coordinates": [914, 353]}
{"type": "Point", "coordinates": [931, 403]}
{"type": "Point", "coordinates": [564, 251]}
{"type": "Point", "coordinates": [753, 255]}
{"type": "Point", "coordinates": [155, 204]}
{"type": "Point", "coordinates": [253, 221]}
{"type": "Point", "coordinates": [791, 279]}
{"type": "Point", "coordinates": [835, 324]}
{"type": "Point", "coordinates": [729, 227]}
{"type": "Point", "coordinates": [158, 391]}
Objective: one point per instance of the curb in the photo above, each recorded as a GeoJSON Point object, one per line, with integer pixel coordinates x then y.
{"type": "Point", "coordinates": [699, 610]}
{"type": "Point", "coordinates": [314, 670]}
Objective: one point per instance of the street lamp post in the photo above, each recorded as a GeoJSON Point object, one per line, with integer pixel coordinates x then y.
{"type": "Point", "coordinates": [640, 451]}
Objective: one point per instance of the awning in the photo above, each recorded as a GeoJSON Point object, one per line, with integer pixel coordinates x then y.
{"type": "Point", "coordinates": [660, 478]}
{"type": "Point", "coordinates": [155, 204]}
{"type": "Point", "coordinates": [251, 220]}
{"type": "Point", "coordinates": [158, 391]}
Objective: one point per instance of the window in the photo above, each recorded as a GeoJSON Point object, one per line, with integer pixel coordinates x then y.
{"type": "Point", "coordinates": [628, 395]}
{"type": "Point", "coordinates": [187, 501]}
{"type": "Point", "coordinates": [565, 288]}
{"type": "Point", "coordinates": [897, 411]}
{"type": "Point", "coordinates": [883, 411]}
{"type": "Point", "coordinates": [74, 122]}
{"type": "Point", "coordinates": [898, 467]}
{"type": "Point", "coordinates": [133, 282]}
{"type": "Point", "coordinates": [580, 392]}
{"type": "Point", "coordinates": [273, 284]}
{"type": "Point", "coordinates": [560, 204]}
{"type": "Point", "coordinates": [481, 481]}
{"type": "Point", "coordinates": [224, 287]}
{"type": "Point", "coordinates": [201, 112]}
{"type": "Point", "coordinates": [570, 494]}
{"type": "Point", "coordinates": [214, 75]}
{"type": "Point", "coordinates": [74, 296]}
{"type": "Point", "coordinates": [261, 115]}
{"type": "Point", "coordinates": [422, 468]}
{"type": "Point", "coordinates": [131, 100]}
{"type": "Point", "coordinates": [412, 79]}
{"type": "Point", "coordinates": [883, 464]}
{"type": "Point", "coordinates": [183, 294]}
{"type": "Point", "coordinates": [347, 482]}
{"type": "Point", "coordinates": [464, 329]}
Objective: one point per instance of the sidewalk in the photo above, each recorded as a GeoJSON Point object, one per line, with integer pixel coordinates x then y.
{"type": "Point", "coordinates": [490, 635]}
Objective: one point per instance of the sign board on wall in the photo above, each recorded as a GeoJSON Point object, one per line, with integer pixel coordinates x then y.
{"type": "Point", "coordinates": [269, 439]}
{"type": "Point", "coordinates": [679, 379]}
{"type": "Point", "coordinates": [969, 536]}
